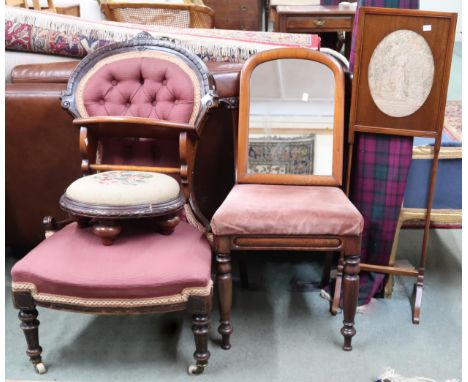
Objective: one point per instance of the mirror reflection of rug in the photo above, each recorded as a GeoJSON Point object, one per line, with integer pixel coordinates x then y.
{"type": "Point", "coordinates": [281, 155]}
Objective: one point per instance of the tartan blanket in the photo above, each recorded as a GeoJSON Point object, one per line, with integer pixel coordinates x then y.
{"type": "Point", "coordinates": [378, 184]}
{"type": "Point", "coordinates": [380, 170]}
{"type": "Point", "coordinates": [43, 32]}
{"type": "Point", "coordinates": [379, 176]}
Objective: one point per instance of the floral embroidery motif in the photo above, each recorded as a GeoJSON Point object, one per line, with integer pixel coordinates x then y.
{"type": "Point", "coordinates": [127, 178]}
{"type": "Point", "coordinates": [18, 36]}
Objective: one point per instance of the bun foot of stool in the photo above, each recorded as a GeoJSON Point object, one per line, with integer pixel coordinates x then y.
{"type": "Point", "coordinates": [167, 226]}
{"type": "Point", "coordinates": [107, 231]}
{"type": "Point", "coordinates": [197, 368]}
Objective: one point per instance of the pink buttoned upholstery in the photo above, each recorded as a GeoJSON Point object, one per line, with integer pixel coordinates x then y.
{"type": "Point", "coordinates": [73, 262]}
{"type": "Point", "coordinates": [286, 210]}
{"type": "Point", "coordinates": [140, 87]}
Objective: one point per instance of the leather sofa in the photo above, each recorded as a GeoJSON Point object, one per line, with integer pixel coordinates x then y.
{"type": "Point", "coordinates": [42, 156]}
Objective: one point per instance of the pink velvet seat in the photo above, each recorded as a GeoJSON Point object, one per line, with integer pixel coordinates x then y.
{"type": "Point", "coordinates": [73, 262]}
{"type": "Point", "coordinates": [286, 210]}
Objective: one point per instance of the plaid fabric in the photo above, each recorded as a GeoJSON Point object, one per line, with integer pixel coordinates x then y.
{"type": "Point", "coordinates": [409, 4]}
{"type": "Point", "coordinates": [380, 171]}
{"type": "Point", "coordinates": [379, 176]}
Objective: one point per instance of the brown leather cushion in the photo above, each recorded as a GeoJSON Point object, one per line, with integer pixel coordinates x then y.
{"type": "Point", "coordinates": [286, 210]}
{"type": "Point", "coordinates": [226, 75]}
{"type": "Point", "coordinates": [73, 262]}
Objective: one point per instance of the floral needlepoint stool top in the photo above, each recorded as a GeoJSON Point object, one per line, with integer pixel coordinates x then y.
{"type": "Point", "coordinates": [124, 195]}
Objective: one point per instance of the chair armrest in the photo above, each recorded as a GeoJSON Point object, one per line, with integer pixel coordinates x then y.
{"type": "Point", "coordinates": [134, 126]}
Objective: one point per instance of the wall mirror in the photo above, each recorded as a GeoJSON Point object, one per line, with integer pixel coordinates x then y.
{"type": "Point", "coordinates": [291, 119]}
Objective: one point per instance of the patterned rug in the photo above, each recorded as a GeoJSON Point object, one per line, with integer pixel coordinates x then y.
{"type": "Point", "coordinates": [42, 32]}
{"type": "Point", "coordinates": [280, 155]}
{"type": "Point", "coordinates": [453, 120]}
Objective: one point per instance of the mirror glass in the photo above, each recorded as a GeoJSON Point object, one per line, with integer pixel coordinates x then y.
{"type": "Point", "coordinates": [401, 73]}
{"type": "Point", "coordinates": [291, 118]}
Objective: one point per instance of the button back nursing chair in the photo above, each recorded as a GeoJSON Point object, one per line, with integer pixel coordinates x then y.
{"type": "Point", "coordinates": [132, 93]}
{"type": "Point", "coordinates": [125, 104]}
{"type": "Point", "coordinates": [289, 172]}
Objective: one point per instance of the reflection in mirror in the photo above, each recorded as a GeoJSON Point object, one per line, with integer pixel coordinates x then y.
{"type": "Point", "coordinates": [291, 118]}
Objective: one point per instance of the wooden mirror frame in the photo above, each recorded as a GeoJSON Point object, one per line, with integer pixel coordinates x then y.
{"type": "Point", "coordinates": [335, 179]}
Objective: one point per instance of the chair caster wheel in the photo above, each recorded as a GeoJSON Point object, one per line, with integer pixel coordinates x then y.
{"type": "Point", "coordinates": [40, 368]}
{"type": "Point", "coordinates": [196, 369]}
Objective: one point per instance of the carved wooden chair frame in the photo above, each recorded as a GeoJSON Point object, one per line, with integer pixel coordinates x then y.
{"type": "Point", "coordinates": [196, 300]}
{"type": "Point", "coordinates": [348, 246]}
{"type": "Point", "coordinates": [92, 128]}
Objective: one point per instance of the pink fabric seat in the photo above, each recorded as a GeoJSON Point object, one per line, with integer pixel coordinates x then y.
{"type": "Point", "coordinates": [286, 210]}
{"type": "Point", "coordinates": [73, 262]}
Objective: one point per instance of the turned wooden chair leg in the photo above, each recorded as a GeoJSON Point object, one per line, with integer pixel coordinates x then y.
{"type": "Point", "coordinates": [200, 332]}
{"type": "Point", "coordinates": [167, 226]}
{"type": "Point", "coordinates": [350, 298]}
{"type": "Point", "coordinates": [30, 326]}
{"type": "Point", "coordinates": [107, 230]}
{"type": "Point", "coordinates": [224, 280]}
{"type": "Point", "coordinates": [337, 293]}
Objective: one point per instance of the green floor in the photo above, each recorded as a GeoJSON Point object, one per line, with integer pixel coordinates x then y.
{"type": "Point", "coordinates": [279, 335]}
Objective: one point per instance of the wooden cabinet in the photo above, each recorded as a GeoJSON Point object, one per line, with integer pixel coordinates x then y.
{"type": "Point", "coordinates": [319, 24]}
{"type": "Point", "coordinates": [237, 14]}
{"type": "Point", "coordinates": [317, 19]}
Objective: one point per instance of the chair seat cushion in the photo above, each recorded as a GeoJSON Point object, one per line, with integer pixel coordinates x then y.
{"type": "Point", "coordinates": [287, 210]}
{"type": "Point", "coordinates": [73, 262]}
{"type": "Point", "coordinates": [124, 188]}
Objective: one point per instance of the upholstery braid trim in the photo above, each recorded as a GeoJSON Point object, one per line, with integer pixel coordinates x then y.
{"type": "Point", "coordinates": [118, 303]}
{"type": "Point", "coordinates": [193, 220]}
{"type": "Point", "coordinates": [151, 54]}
